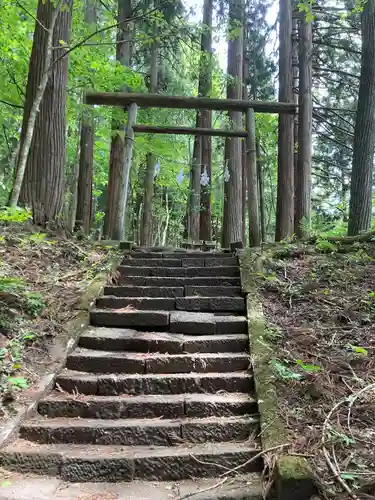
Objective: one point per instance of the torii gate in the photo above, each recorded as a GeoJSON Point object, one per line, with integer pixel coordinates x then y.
{"type": "Point", "coordinates": [131, 102]}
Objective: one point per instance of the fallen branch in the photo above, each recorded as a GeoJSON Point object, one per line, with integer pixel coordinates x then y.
{"type": "Point", "coordinates": [204, 490]}
{"type": "Point", "coordinates": [334, 470]}
{"type": "Point", "coordinates": [353, 399]}
{"type": "Point", "coordinates": [229, 471]}
{"type": "Point", "coordinates": [255, 457]}
{"type": "Point", "coordinates": [363, 237]}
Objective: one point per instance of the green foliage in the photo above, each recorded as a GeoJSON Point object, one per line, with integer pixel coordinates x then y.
{"type": "Point", "coordinates": [14, 215]}
{"type": "Point", "coordinates": [357, 349]}
{"type": "Point", "coordinates": [308, 367]}
{"type": "Point", "coordinates": [324, 246]}
{"type": "Point", "coordinates": [307, 8]}
{"type": "Point", "coordinates": [283, 371]}
{"type": "Point", "coordinates": [34, 303]}
{"type": "Point", "coordinates": [11, 285]}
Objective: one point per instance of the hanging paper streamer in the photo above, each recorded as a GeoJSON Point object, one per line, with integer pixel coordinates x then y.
{"type": "Point", "coordinates": [205, 180]}
{"type": "Point", "coordinates": [180, 177]}
{"type": "Point", "coordinates": [156, 169]}
{"type": "Point", "coordinates": [226, 173]}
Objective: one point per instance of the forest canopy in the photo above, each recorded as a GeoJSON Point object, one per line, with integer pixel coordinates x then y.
{"type": "Point", "coordinates": [62, 161]}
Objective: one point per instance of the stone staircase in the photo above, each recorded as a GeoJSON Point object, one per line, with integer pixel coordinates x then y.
{"type": "Point", "coordinates": [159, 388]}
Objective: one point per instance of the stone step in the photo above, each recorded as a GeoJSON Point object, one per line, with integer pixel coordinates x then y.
{"type": "Point", "coordinates": [139, 432]}
{"type": "Point", "coordinates": [165, 406]}
{"type": "Point", "coordinates": [201, 261]}
{"type": "Point", "coordinates": [139, 303]}
{"type": "Point", "coordinates": [129, 317]}
{"type": "Point", "coordinates": [94, 361]}
{"type": "Point", "coordinates": [144, 291]}
{"type": "Point", "coordinates": [240, 487]}
{"type": "Point", "coordinates": [232, 271]}
{"type": "Point", "coordinates": [174, 281]}
{"type": "Point", "coordinates": [177, 253]}
{"type": "Point", "coordinates": [173, 292]}
{"type": "Point", "coordinates": [212, 291]}
{"type": "Point", "coordinates": [202, 323]}
{"type": "Point", "coordinates": [175, 383]}
{"type": "Point", "coordinates": [121, 339]}
{"type": "Point", "coordinates": [193, 323]}
{"type": "Point", "coordinates": [223, 304]}
{"type": "Point", "coordinates": [100, 463]}
{"type": "Point", "coordinates": [191, 303]}
{"type": "Point", "coordinates": [159, 262]}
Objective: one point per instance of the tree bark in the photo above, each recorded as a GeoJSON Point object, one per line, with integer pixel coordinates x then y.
{"type": "Point", "coordinates": [261, 191]}
{"type": "Point", "coordinates": [86, 159]}
{"type": "Point", "coordinates": [73, 189]}
{"type": "Point", "coordinates": [304, 164]}
{"type": "Point", "coordinates": [252, 182]}
{"type": "Point", "coordinates": [146, 228]}
{"type": "Point", "coordinates": [194, 198]}
{"type": "Point", "coordinates": [232, 225]}
{"type": "Point", "coordinates": [245, 96]}
{"type": "Point", "coordinates": [123, 180]}
{"type": "Point", "coordinates": [360, 208]}
{"type": "Point", "coordinates": [285, 184]}
{"type": "Point", "coordinates": [115, 211]}
{"type": "Point", "coordinates": [86, 163]}
{"type": "Point", "coordinates": [244, 188]}
{"type": "Point", "coordinates": [41, 165]}
{"type": "Point", "coordinates": [295, 101]}
{"type": "Point", "coordinates": [204, 90]}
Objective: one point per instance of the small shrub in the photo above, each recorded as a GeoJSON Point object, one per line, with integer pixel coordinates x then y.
{"type": "Point", "coordinates": [34, 303]}
{"type": "Point", "coordinates": [325, 246]}
{"type": "Point", "coordinates": [14, 215]}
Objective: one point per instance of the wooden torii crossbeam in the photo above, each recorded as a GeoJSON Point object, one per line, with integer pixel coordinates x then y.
{"type": "Point", "coordinates": [131, 101]}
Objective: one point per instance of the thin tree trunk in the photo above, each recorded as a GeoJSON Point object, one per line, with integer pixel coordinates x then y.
{"type": "Point", "coordinates": [119, 225]}
{"type": "Point", "coordinates": [252, 182]}
{"type": "Point", "coordinates": [295, 100]}
{"type": "Point", "coordinates": [245, 77]}
{"type": "Point", "coordinates": [225, 234]}
{"type": "Point", "coordinates": [115, 212]}
{"type": "Point", "coordinates": [72, 208]}
{"type": "Point", "coordinates": [285, 183]}
{"type": "Point", "coordinates": [86, 160]}
{"type": "Point", "coordinates": [86, 163]}
{"type": "Point", "coordinates": [39, 73]}
{"type": "Point", "coordinates": [194, 198]}
{"type": "Point", "coordinates": [204, 90]}
{"type": "Point", "coordinates": [244, 189]}
{"type": "Point", "coordinates": [261, 191]}
{"type": "Point", "coordinates": [165, 231]}
{"type": "Point", "coordinates": [146, 228]}
{"type": "Point", "coordinates": [360, 208]}
{"type": "Point", "coordinates": [303, 188]}
{"type": "Point", "coordinates": [232, 226]}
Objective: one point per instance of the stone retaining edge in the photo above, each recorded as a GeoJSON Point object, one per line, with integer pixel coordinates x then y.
{"type": "Point", "coordinates": [63, 347]}
{"type": "Point", "coordinates": [294, 478]}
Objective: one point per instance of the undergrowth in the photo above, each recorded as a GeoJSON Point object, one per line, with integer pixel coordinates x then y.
{"type": "Point", "coordinates": [42, 275]}
{"type": "Point", "coordinates": [319, 303]}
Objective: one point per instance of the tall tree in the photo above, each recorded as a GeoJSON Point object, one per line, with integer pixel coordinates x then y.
{"type": "Point", "coordinates": [360, 209]}
{"type": "Point", "coordinates": [204, 90]}
{"type": "Point", "coordinates": [232, 221]}
{"type": "Point", "coordinates": [114, 216]}
{"type": "Point", "coordinates": [86, 159]}
{"type": "Point", "coordinates": [195, 186]}
{"type": "Point", "coordinates": [146, 227]}
{"type": "Point", "coordinates": [285, 184]}
{"type": "Point", "coordinates": [304, 162]}
{"type": "Point", "coordinates": [44, 119]}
